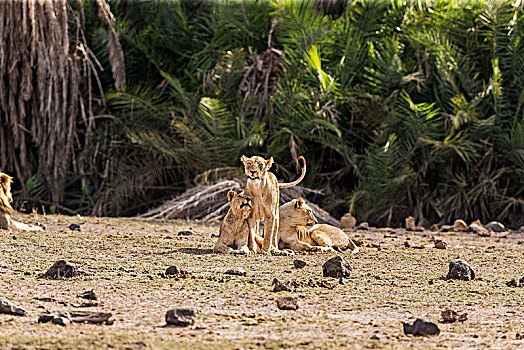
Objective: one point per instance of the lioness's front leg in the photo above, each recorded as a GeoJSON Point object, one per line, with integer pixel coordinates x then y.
{"type": "Point", "coordinates": [270, 232]}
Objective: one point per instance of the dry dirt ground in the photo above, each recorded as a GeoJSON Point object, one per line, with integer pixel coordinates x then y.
{"type": "Point", "coordinates": [125, 257]}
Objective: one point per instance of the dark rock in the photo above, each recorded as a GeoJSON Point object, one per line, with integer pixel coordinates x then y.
{"type": "Point", "coordinates": [74, 227]}
{"type": "Point", "coordinates": [341, 280]}
{"type": "Point", "coordinates": [440, 244]}
{"type": "Point", "coordinates": [287, 303]}
{"type": "Point", "coordinates": [282, 287]}
{"type": "Point", "coordinates": [450, 316]}
{"type": "Point", "coordinates": [7, 307]}
{"type": "Point", "coordinates": [63, 268]}
{"type": "Point", "coordinates": [362, 226]}
{"type": "Point", "coordinates": [521, 281]}
{"type": "Point", "coordinates": [186, 233]}
{"type": "Point", "coordinates": [299, 263]}
{"type": "Point", "coordinates": [375, 337]}
{"type": "Point", "coordinates": [407, 244]}
{"type": "Point", "coordinates": [90, 295]}
{"type": "Point", "coordinates": [512, 283]}
{"type": "Point", "coordinates": [172, 270]}
{"type": "Point", "coordinates": [59, 318]}
{"type": "Point", "coordinates": [495, 226]}
{"type": "Point", "coordinates": [421, 328]}
{"type": "Point", "coordinates": [460, 270]}
{"type": "Point", "coordinates": [181, 316]}
{"type": "Point", "coordinates": [336, 267]}
{"type": "Point", "coordinates": [236, 271]}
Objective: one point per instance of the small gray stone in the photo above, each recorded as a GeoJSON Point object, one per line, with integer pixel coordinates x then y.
{"type": "Point", "coordinates": [236, 271]}
{"type": "Point", "coordinates": [450, 316]}
{"type": "Point", "coordinates": [172, 270]}
{"type": "Point", "coordinates": [74, 227]}
{"type": "Point", "coordinates": [460, 270]}
{"type": "Point", "coordinates": [89, 294]}
{"type": "Point", "coordinates": [375, 337]}
{"type": "Point", "coordinates": [182, 316]}
{"type": "Point", "coordinates": [7, 307]}
{"type": "Point", "coordinates": [362, 226]}
{"type": "Point", "coordinates": [299, 263]}
{"type": "Point", "coordinates": [186, 233]}
{"type": "Point", "coordinates": [63, 268]}
{"type": "Point", "coordinates": [287, 303]}
{"type": "Point", "coordinates": [495, 226]}
{"type": "Point", "coordinates": [478, 229]}
{"type": "Point", "coordinates": [336, 267]}
{"type": "Point", "coordinates": [282, 287]}
{"type": "Point", "coordinates": [421, 328]}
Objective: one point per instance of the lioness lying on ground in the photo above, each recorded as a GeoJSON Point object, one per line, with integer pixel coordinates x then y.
{"type": "Point", "coordinates": [299, 230]}
{"type": "Point", "coordinates": [6, 210]}
{"type": "Point", "coordinates": [234, 230]}
{"type": "Point", "coordinates": [263, 188]}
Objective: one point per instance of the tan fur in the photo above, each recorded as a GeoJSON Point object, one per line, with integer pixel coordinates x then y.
{"type": "Point", "coordinates": [6, 210]}
{"type": "Point", "coordinates": [263, 188]}
{"type": "Point", "coordinates": [299, 230]}
{"type": "Point", "coordinates": [234, 231]}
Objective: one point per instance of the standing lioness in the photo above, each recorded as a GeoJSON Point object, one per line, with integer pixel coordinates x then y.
{"type": "Point", "coordinates": [264, 190]}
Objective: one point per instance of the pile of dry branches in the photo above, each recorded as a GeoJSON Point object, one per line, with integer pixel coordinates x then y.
{"type": "Point", "coordinates": [45, 87]}
{"type": "Point", "coordinates": [209, 203]}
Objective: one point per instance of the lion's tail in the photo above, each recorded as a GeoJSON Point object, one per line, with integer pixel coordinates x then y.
{"type": "Point", "coordinates": [302, 163]}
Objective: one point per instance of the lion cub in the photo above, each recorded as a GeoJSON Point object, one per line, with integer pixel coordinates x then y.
{"type": "Point", "coordinates": [6, 210]}
{"type": "Point", "coordinates": [234, 230]}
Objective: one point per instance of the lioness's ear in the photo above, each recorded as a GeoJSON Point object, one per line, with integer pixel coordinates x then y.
{"type": "Point", "coordinates": [243, 159]}
{"type": "Point", "coordinates": [299, 203]}
{"type": "Point", "coordinates": [231, 195]}
{"type": "Point", "coordinates": [269, 162]}
{"type": "Point", "coordinates": [4, 178]}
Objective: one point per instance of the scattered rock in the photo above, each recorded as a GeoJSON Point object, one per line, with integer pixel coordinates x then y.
{"type": "Point", "coordinates": [181, 316]}
{"type": "Point", "coordinates": [460, 225]}
{"type": "Point", "coordinates": [92, 317]}
{"type": "Point", "coordinates": [407, 244]}
{"type": "Point", "coordinates": [186, 233]}
{"type": "Point", "coordinates": [7, 307]}
{"type": "Point", "coordinates": [341, 281]}
{"type": "Point", "coordinates": [495, 226]}
{"type": "Point", "coordinates": [43, 226]}
{"type": "Point", "coordinates": [90, 295]}
{"type": "Point", "coordinates": [446, 228]}
{"type": "Point", "coordinates": [440, 244]}
{"type": "Point", "coordinates": [74, 227]}
{"type": "Point", "coordinates": [282, 287]}
{"type": "Point", "coordinates": [362, 226]}
{"type": "Point", "coordinates": [63, 268]}
{"type": "Point", "coordinates": [375, 337]}
{"type": "Point", "coordinates": [460, 270]}
{"type": "Point", "coordinates": [59, 318]}
{"type": "Point", "coordinates": [512, 283]}
{"type": "Point", "coordinates": [237, 271]}
{"type": "Point", "coordinates": [519, 336]}
{"type": "Point", "coordinates": [421, 328]}
{"type": "Point", "coordinates": [479, 229]}
{"type": "Point", "coordinates": [287, 303]}
{"type": "Point", "coordinates": [348, 221]}
{"type": "Point", "coordinates": [450, 316]}
{"type": "Point", "coordinates": [434, 228]}
{"type": "Point", "coordinates": [299, 263]}
{"type": "Point", "coordinates": [172, 270]}
{"type": "Point", "coordinates": [336, 267]}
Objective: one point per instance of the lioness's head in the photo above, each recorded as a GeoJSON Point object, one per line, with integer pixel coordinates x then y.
{"type": "Point", "coordinates": [256, 167]}
{"type": "Point", "coordinates": [298, 214]}
{"type": "Point", "coordinates": [240, 203]}
{"type": "Point", "coordinates": [5, 193]}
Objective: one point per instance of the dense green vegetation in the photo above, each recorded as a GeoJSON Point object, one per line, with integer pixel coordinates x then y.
{"type": "Point", "coordinates": [400, 108]}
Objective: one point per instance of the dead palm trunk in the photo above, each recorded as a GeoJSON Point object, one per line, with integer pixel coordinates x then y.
{"type": "Point", "coordinates": [45, 87]}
